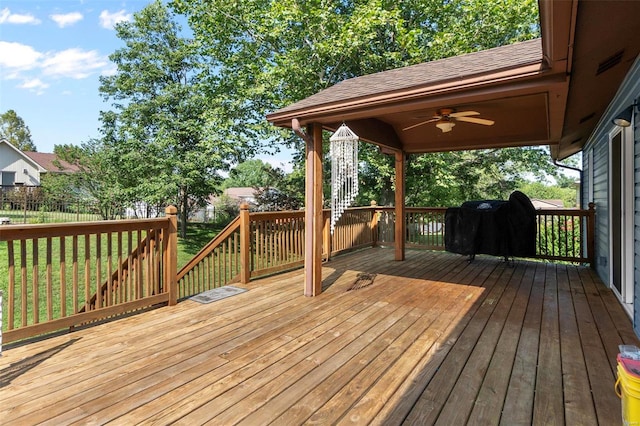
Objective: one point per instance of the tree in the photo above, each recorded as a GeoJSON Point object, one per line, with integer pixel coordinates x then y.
{"type": "Point", "coordinates": [568, 195]}
{"type": "Point", "coordinates": [283, 191]}
{"type": "Point", "coordinates": [270, 54]}
{"type": "Point", "coordinates": [450, 178]}
{"type": "Point", "coordinates": [249, 173]}
{"type": "Point", "coordinates": [97, 178]}
{"type": "Point", "coordinates": [15, 131]}
{"type": "Point", "coordinates": [163, 128]}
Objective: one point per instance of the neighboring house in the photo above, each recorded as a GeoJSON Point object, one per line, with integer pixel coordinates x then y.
{"type": "Point", "coordinates": [18, 168]}
{"type": "Point", "coordinates": [547, 204]}
{"type": "Point", "coordinates": [242, 195]}
{"type": "Point", "coordinates": [236, 195]}
{"type": "Point", "coordinates": [611, 180]}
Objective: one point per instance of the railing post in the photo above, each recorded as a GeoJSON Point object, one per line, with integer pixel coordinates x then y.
{"type": "Point", "coordinates": [374, 224]}
{"type": "Point", "coordinates": [245, 243]}
{"type": "Point", "coordinates": [591, 229]}
{"type": "Point", "coordinates": [171, 260]}
{"type": "Point", "coordinates": [326, 234]}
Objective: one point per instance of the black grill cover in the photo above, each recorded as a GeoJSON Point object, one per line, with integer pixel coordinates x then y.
{"type": "Point", "coordinates": [495, 227]}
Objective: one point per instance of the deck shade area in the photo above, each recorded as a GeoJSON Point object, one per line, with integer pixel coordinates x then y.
{"type": "Point", "coordinates": [549, 91]}
{"type": "Point", "coordinates": [431, 340]}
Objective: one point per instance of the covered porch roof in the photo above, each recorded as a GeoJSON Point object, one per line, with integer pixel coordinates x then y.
{"type": "Point", "coordinates": [549, 91]}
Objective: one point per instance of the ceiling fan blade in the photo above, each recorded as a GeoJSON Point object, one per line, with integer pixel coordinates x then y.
{"type": "Point", "coordinates": [421, 123]}
{"type": "Point", "coordinates": [482, 121]}
{"type": "Point", "coordinates": [463, 114]}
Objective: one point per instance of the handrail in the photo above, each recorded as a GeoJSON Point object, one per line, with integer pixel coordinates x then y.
{"type": "Point", "coordinates": [76, 274]}
{"type": "Point", "coordinates": [233, 226]}
{"type": "Point", "coordinates": [216, 264]}
{"type": "Point", "coordinates": [57, 272]}
{"type": "Point", "coordinates": [561, 234]}
{"type": "Point", "coordinates": [121, 273]}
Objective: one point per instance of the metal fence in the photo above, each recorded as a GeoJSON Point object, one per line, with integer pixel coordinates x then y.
{"type": "Point", "coordinates": [31, 205]}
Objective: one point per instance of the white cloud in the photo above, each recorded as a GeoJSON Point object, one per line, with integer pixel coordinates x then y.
{"type": "Point", "coordinates": [108, 19]}
{"type": "Point", "coordinates": [64, 20]}
{"type": "Point", "coordinates": [73, 63]}
{"type": "Point", "coordinates": [22, 62]}
{"type": "Point", "coordinates": [6, 17]}
{"type": "Point", "coordinates": [34, 85]}
{"type": "Point", "coordinates": [17, 56]}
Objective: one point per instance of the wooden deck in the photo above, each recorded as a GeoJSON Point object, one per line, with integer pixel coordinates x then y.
{"type": "Point", "coordinates": [433, 340]}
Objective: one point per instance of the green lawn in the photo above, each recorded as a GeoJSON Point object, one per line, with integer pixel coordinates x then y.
{"type": "Point", "coordinates": [31, 217]}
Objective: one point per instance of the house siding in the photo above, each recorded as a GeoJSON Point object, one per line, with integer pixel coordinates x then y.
{"type": "Point", "coordinates": [601, 200]}
{"type": "Point", "coordinates": [11, 161]}
{"type": "Point", "coordinates": [636, 226]}
{"type": "Point", "coordinates": [598, 144]}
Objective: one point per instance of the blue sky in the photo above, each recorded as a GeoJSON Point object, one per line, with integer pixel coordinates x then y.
{"type": "Point", "coordinates": [52, 53]}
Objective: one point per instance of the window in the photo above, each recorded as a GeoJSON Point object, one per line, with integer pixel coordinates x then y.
{"type": "Point", "coordinates": [8, 178]}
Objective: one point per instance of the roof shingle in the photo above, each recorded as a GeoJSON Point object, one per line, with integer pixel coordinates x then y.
{"type": "Point", "coordinates": [427, 73]}
{"type": "Point", "coordinates": [50, 162]}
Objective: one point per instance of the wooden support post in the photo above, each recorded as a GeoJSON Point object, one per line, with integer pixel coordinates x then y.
{"type": "Point", "coordinates": [171, 255]}
{"type": "Point", "coordinates": [313, 213]}
{"type": "Point", "coordinates": [400, 226]}
{"type": "Point", "coordinates": [591, 240]}
{"type": "Point", "coordinates": [373, 225]}
{"type": "Point", "coordinates": [245, 244]}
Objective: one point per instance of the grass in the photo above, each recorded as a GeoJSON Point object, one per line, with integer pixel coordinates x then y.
{"type": "Point", "coordinates": [31, 217]}
{"type": "Point", "coordinates": [197, 236]}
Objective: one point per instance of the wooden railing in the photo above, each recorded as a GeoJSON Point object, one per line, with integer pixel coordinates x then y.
{"type": "Point", "coordinates": [561, 234]}
{"type": "Point", "coordinates": [64, 275]}
{"type": "Point", "coordinates": [216, 264]}
{"type": "Point", "coordinates": [68, 274]}
{"type": "Point", "coordinates": [254, 244]}
{"type": "Point", "coordinates": [277, 241]}
{"type": "Point", "coordinates": [425, 227]}
{"type": "Point", "coordinates": [356, 228]}
{"type": "Point", "coordinates": [274, 241]}
{"type": "Point", "coordinates": [118, 286]}
{"type": "Point", "coordinates": [566, 235]}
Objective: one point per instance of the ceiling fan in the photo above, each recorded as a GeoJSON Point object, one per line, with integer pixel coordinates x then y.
{"type": "Point", "coordinates": [445, 119]}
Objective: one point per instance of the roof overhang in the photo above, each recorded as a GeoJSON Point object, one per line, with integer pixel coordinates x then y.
{"type": "Point", "coordinates": [24, 156]}
{"type": "Point", "coordinates": [538, 93]}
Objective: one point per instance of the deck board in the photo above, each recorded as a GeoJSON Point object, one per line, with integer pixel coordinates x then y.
{"type": "Point", "coordinates": [433, 340]}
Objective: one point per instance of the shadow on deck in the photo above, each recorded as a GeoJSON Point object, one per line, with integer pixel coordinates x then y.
{"type": "Point", "coordinates": [434, 339]}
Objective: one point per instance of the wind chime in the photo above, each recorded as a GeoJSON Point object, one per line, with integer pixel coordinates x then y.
{"type": "Point", "coordinates": [344, 171]}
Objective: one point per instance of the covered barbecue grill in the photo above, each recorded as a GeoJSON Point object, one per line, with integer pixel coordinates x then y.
{"type": "Point", "coordinates": [494, 227]}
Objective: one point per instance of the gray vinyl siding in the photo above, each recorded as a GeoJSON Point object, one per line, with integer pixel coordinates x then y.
{"type": "Point", "coordinates": [636, 228]}
{"type": "Point", "coordinates": [628, 93]}
{"type": "Point", "coordinates": [601, 200]}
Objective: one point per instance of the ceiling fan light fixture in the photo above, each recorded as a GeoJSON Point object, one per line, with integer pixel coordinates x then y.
{"type": "Point", "coordinates": [445, 125]}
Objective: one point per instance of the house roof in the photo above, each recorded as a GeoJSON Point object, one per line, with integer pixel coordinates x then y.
{"type": "Point", "coordinates": [21, 153]}
{"type": "Point", "coordinates": [241, 192]}
{"type": "Point", "coordinates": [551, 91]}
{"type": "Point", "coordinates": [51, 162]}
{"type": "Point", "coordinates": [547, 204]}
{"type": "Point", "coordinates": [453, 69]}
{"type": "Point", "coordinates": [45, 162]}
